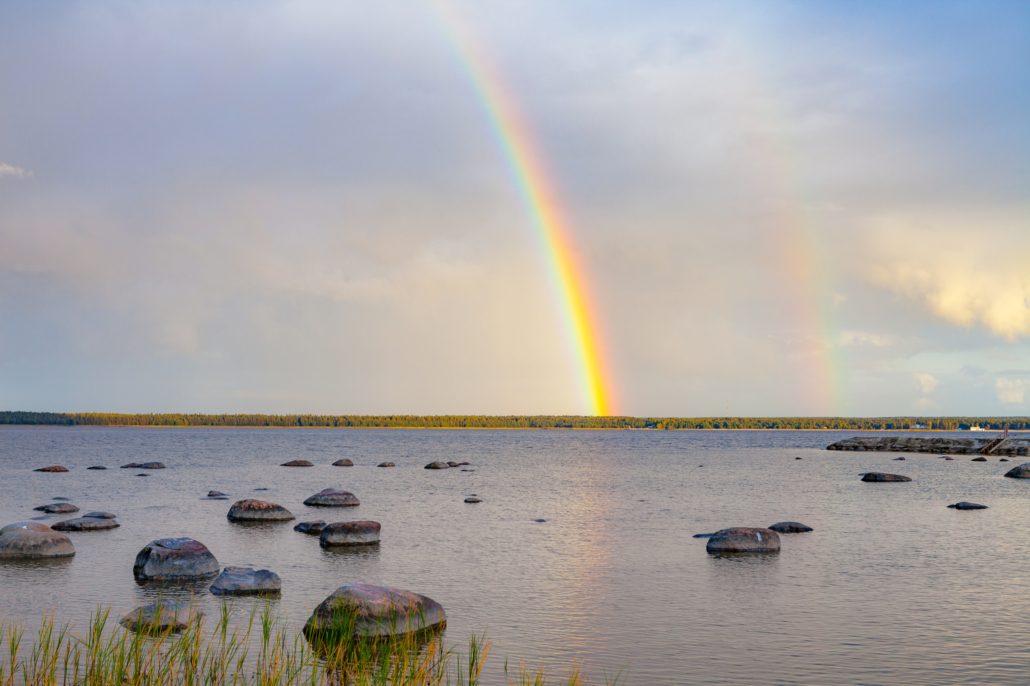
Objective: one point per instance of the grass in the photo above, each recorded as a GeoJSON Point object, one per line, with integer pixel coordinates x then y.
{"type": "Point", "coordinates": [261, 653]}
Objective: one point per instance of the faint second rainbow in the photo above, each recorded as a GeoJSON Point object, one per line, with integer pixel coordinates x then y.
{"type": "Point", "coordinates": [538, 192]}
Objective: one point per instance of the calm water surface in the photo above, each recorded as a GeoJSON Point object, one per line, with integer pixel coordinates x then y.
{"type": "Point", "coordinates": [892, 587]}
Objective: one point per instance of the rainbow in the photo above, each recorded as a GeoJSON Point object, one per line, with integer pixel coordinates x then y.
{"type": "Point", "coordinates": [540, 196]}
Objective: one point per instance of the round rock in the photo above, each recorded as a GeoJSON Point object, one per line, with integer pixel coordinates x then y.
{"type": "Point", "coordinates": [363, 611]}
{"type": "Point", "coordinates": [979, 459]}
{"type": "Point", "coordinates": [57, 508]}
{"type": "Point", "coordinates": [297, 463]}
{"type": "Point", "coordinates": [33, 540]}
{"type": "Point", "coordinates": [251, 510]}
{"type": "Point", "coordinates": [881, 477]}
{"type": "Point", "coordinates": [744, 539]}
{"type": "Point", "coordinates": [160, 617]}
{"type": "Point", "coordinates": [1020, 472]}
{"type": "Point", "coordinates": [86, 524]}
{"type": "Point", "coordinates": [331, 497]}
{"type": "Point", "coordinates": [790, 528]}
{"type": "Point", "coordinates": [54, 469]}
{"type": "Point", "coordinates": [360, 532]}
{"type": "Point", "coordinates": [967, 506]}
{"type": "Point", "coordinates": [174, 559]}
{"type": "Point", "coordinates": [343, 463]}
{"type": "Point", "coordinates": [247, 581]}
{"type": "Point", "coordinates": [437, 465]}
{"type": "Point", "coordinates": [312, 528]}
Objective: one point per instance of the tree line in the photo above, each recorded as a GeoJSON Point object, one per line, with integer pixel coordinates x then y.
{"type": "Point", "coordinates": [513, 421]}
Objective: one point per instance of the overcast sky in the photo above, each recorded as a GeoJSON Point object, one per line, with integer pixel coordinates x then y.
{"type": "Point", "coordinates": [784, 208]}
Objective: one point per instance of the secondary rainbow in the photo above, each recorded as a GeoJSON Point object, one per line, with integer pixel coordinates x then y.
{"type": "Point", "coordinates": [539, 194]}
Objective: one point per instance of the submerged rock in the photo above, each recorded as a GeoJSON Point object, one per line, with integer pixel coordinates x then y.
{"type": "Point", "coordinates": [1019, 472]}
{"type": "Point", "coordinates": [86, 523]}
{"type": "Point", "coordinates": [297, 463]}
{"type": "Point", "coordinates": [217, 494]}
{"type": "Point", "coordinates": [131, 465]}
{"type": "Point", "coordinates": [57, 508]}
{"type": "Point", "coordinates": [967, 506]}
{"type": "Point", "coordinates": [979, 459]}
{"type": "Point", "coordinates": [360, 532]}
{"type": "Point", "coordinates": [703, 535]}
{"type": "Point", "coordinates": [97, 467]}
{"type": "Point", "coordinates": [54, 469]}
{"type": "Point", "coordinates": [247, 581]}
{"type": "Point", "coordinates": [386, 464]}
{"type": "Point", "coordinates": [473, 499]}
{"type": "Point", "coordinates": [331, 497]}
{"type": "Point", "coordinates": [790, 528]}
{"type": "Point", "coordinates": [744, 539]}
{"type": "Point", "coordinates": [1004, 459]}
{"type": "Point", "coordinates": [33, 540]}
{"type": "Point", "coordinates": [144, 465]}
{"type": "Point", "coordinates": [312, 528]}
{"type": "Point", "coordinates": [949, 458]}
{"type": "Point", "coordinates": [174, 559]}
{"type": "Point", "coordinates": [899, 458]}
{"type": "Point", "coordinates": [343, 463]}
{"type": "Point", "coordinates": [160, 617]}
{"type": "Point", "coordinates": [437, 465]}
{"type": "Point", "coordinates": [362, 611]}
{"type": "Point", "coordinates": [100, 515]}
{"type": "Point", "coordinates": [251, 510]}
{"type": "Point", "coordinates": [879, 477]}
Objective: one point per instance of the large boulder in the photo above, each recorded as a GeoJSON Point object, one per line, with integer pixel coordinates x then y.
{"type": "Point", "coordinates": [160, 618]}
{"type": "Point", "coordinates": [174, 559]}
{"type": "Point", "coordinates": [87, 523]}
{"type": "Point", "coordinates": [744, 539]}
{"type": "Point", "coordinates": [1020, 472]}
{"type": "Point", "coordinates": [366, 611]}
{"type": "Point", "coordinates": [297, 463]}
{"type": "Point", "coordinates": [343, 463]}
{"type": "Point", "coordinates": [57, 508]}
{"type": "Point", "coordinates": [312, 528]}
{"type": "Point", "coordinates": [967, 506]}
{"type": "Point", "coordinates": [33, 540]}
{"type": "Point", "coordinates": [251, 510]}
{"type": "Point", "coordinates": [331, 497]}
{"type": "Point", "coordinates": [437, 465]}
{"type": "Point", "coordinates": [54, 469]}
{"type": "Point", "coordinates": [247, 581]}
{"type": "Point", "coordinates": [360, 532]}
{"type": "Point", "coordinates": [790, 528]}
{"type": "Point", "coordinates": [882, 477]}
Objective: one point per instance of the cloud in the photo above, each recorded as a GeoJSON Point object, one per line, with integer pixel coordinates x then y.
{"type": "Point", "coordinates": [927, 382]}
{"type": "Point", "coordinates": [864, 338]}
{"type": "Point", "coordinates": [14, 171]}
{"type": "Point", "coordinates": [1011, 391]}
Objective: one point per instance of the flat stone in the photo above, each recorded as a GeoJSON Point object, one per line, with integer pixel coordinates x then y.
{"type": "Point", "coordinates": [880, 477]}
{"type": "Point", "coordinates": [331, 497]}
{"type": "Point", "coordinates": [343, 463]}
{"type": "Point", "coordinates": [247, 581]}
{"type": "Point", "coordinates": [57, 508]}
{"type": "Point", "coordinates": [386, 464]}
{"type": "Point", "coordinates": [899, 458]}
{"type": "Point", "coordinates": [1019, 472]}
{"type": "Point", "coordinates": [790, 528]}
{"type": "Point", "coordinates": [363, 611]}
{"type": "Point", "coordinates": [312, 528]}
{"type": "Point", "coordinates": [33, 540]}
{"type": "Point", "coordinates": [174, 559]}
{"type": "Point", "coordinates": [473, 499]}
{"type": "Point", "coordinates": [160, 617]}
{"type": "Point", "coordinates": [540, 520]}
{"type": "Point", "coordinates": [151, 465]}
{"type": "Point", "coordinates": [54, 468]}
{"type": "Point", "coordinates": [743, 539]}
{"type": "Point", "coordinates": [142, 475]}
{"type": "Point", "coordinates": [1004, 459]}
{"type": "Point", "coordinates": [131, 465]}
{"type": "Point", "coordinates": [86, 524]}
{"type": "Point", "coordinates": [949, 458]}
{"type": "Point", "coordinates": [97, 467]}
{"type": "Point", "coordinates": [297, 463]}
{"type": "Point", "coordinates": [360, 532]}
{"type": "Point", "coordinates": [979, 459]}
{"type": "Point", "coordinates": [437, 465]}
{"type": "Point", "coordinates": [703, 535]}
{"type": "Point", "coordinates": [59, 498]}
{"type": "Point", "coordinates": [967, 506]}
{"type": "Point", "coordinates": [217, 494]}
{"type": "Point", "coordinates": [100, 515]}
{"type": "Point", "coordinates": [251, 510]}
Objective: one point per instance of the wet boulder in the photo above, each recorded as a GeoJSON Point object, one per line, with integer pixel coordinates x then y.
{"type": "Point", "coordinates": [57, 508]}
{"type": "Point", "coordinates": [790, 528]}
{"type": "Point", "coordinates": [87, 523]}
{"type": "Point", "coordinates": [331, 497]}
{"type": "Point", "coordinates": [247, 581]}
{"type": "Point", "coordinates": [967, 506]}
{"type": "Point", "coordinates": [33, 540]}
{"type": "Point", "coordinates": [174, 559]}
{"type": "Point", "coordinates": [437, 465]}
{"type": "Point", "coordinates": [251, 510]}
{"type": "Point", "coordinates": [297, 463]}
{"type": "Point", "coordinates": [160, 617]}
{"type": "Point", "coordinates": [359, 532]}
{"type": "Point", "coordinates": [312, 528]}
{"type": "Point", "coordinates": [366, 611]}
{"type": "Point", "coordinates": [52, 469]}
{"type": "Point", "coordinates": [743, 539]}
{"type": "Point", "coordinates": [882, 477]}
{"type": "Point", "coordinates": [386, 464]}
{"type": "Point", "coordinates": [343, 463]}
{"type": "Point", "coordinates": [1019, 472]}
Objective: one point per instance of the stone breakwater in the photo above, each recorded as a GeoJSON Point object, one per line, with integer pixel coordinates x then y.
{"type": "Point", "coordinates": [1017, 445]}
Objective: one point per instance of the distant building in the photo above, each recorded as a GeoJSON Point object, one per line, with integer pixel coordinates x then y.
{"type": "Point", "coordinates": [918, 426]}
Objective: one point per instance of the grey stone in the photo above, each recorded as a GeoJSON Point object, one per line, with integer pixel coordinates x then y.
{"type": "Point", "coordinates": [473, 499]}
{"type": "Point", "coordinates": [1019, 472]}
{"type": "Point", "coordinates": [359, 610]}
{"type": "Point", "coordinates": [160, 617]}
{"type": "Point", "coordinates": [312, 528]}
{"type": "Point", "coordinates": [881, 477]}
{"type": "Point", "coordinates": [251, 510]}
{"type": "Point", "coordinates": [386, 464]}
{"type": "Point", "coordinates": [743, 539]}
{"type": "Point", "coordinates": [33, 540]}
{"type": "Point", "coordinates": [331, 497]}
{"type": "Point", "coordinates": [967, 506]}
{"type": "Point", "coordinates": [297, 463]}
{"type": "Point", "coordinates": [247, 581]}
{"type": "Point", "coordinates": [54, 468]}
{"type": "Point", "coordinates": [57, 508]}
{"type": "Point", "coordinates": [790, 528]}
{"type": "Point", "coordinates": [174, 559]}
{"type": "Point", "coordinates": [437, 465]}
{"type": "Point", "coordinates": [86, 523]}
{"type": "Point", "coordinates": [343, 463]}
{"type": "Point", "coordinates": [360, 532]}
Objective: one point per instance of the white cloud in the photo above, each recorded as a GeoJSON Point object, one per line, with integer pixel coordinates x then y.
{"type": "Point", "coordinates": [928, 383]}
{"type": "Point", "coordinates": [15, 171]}
{"type": "Point", "coordinates": [1011, 391]}
{"type": "Point", "coordinates": [864, 338]}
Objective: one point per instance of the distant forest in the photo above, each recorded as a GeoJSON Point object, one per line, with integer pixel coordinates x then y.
{"type": "Point", "coordinates": [513, 421]}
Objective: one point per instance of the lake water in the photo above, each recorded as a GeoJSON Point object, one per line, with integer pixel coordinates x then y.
{"type": "Point", "coordinates": [891, 587]}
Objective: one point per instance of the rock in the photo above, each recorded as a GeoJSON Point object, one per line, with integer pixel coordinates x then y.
{"type": "Point", "coordinates": [473, 499]}
{"type": "Point", "coordinates": [1020, 472]}
{"type": "Point", "coordinates": [160, 617]}
{"type": "Point", "coordinates": [54, 468]}
{"type": "Point", "coordinates": [142, 475]}
{"type": "Point", "coordinates": [790, 528]}
{"type": "Point", "coordinates": [131, 465]}
{"type": "Point", "coordinates": [57, 508]}
{"type": "Point", "coordinates": [540, 520]}
{"type": "Point", "coordinates": [151, 465]}
{"type": "Point", "coordinates": [364, 611]}
{"type": "Point", "coordinates": [797, 458]}
{"type": "Point", "coordinates": [217, 494]}
{"type": "Point", "coordinates": [33, 540]}
{"type": "Point", "coordinates": [967, 506]}
{"type": "Point", "coordinates": [58, 498]}
{"type": "Point", "coordinates": [331, 497]}
{"type": "Point", "coordinates": [343, 463]}
{"type": "Point", "coordinates": [744, 540]}
{"type": "Point", "coordinates": [949, 458]}
{"type": "Point", "coordinates": [251, 510]}
{"type": "Point", "coordinates": [86, 523]}
{"type": "Point", "coordinates": [703, 535]}
{"type": "Point", "coordinates": [174, 559]}
{"type": "Point", "coordinates": [313, 528]}
{"type": "Point", "coordinates": [360, 532]}
{"type": "Point", "coordinates": [97, 467]}
{"type": "Point", "coordinates": [99, 515]}
{"type": "Point", "coordinates": [247, 581]}
{"type": "Point", "coordinates": [386, 464]}
{"type": "Point", "coordinates": [260, 489]}
{"type": "Point", "coordinates": [882, 477]}
{"type": "Point", "coordinates": [1004, 459]}
{"type": "Point", "coordinates": [979, 459]}
{"type": "Point", "coordinates": [468, 470]}
{"type": "Point", "coordinates": [899, 458]}
{"type": "Point", "coordinates": [911, 444]}
{"type": "Point", "coordinates": [437, 465]}
{"type": "Point", "coordinates": [297, 463]}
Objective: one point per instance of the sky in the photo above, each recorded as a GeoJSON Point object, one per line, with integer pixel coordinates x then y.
{"type": "Point", "coordinates": [789, 208]}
